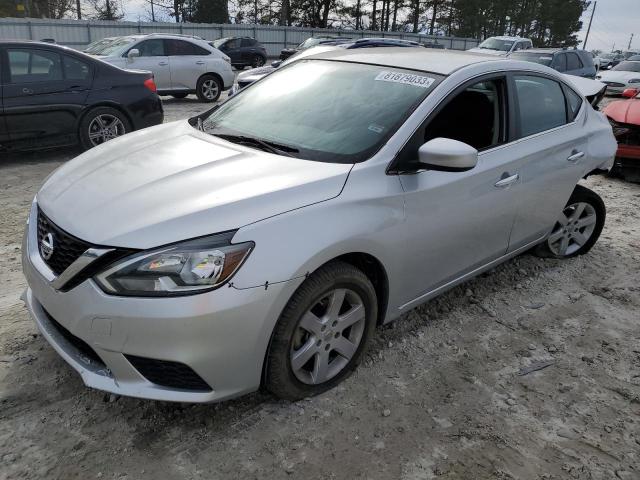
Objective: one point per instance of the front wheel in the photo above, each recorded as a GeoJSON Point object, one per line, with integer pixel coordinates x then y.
{"type": "Point", "coordinates": [257, 61]}
{"type": "Point", "coordinates": [101, 125]}
{"type": "Point", "coordinates": [208, 88]}
{"type": "Point", "coordinates": [322, 332]}
{"type": "Point", "coordinates": [578, 226]}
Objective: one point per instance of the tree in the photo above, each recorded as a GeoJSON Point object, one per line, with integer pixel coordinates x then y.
{"type": "Point", "coordinates": [106, 10]}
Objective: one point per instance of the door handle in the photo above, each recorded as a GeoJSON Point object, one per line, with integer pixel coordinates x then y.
{"type": "Point", "coordinates": [505, 182]}
{"type": "Point", "coordinates": [575, 156]}
{"type": "Point", "coordinates": [27, 91]}
{"type": "Point", "coordinates": [163, 63]}
{"type": "Point", "coordinates": [199, 62]}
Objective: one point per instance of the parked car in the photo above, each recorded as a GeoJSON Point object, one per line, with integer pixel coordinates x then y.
{"type": "Point", "coordinates": [634, 58]}
{"type": "Point", "coordinates": [312, 42]}
{"type": "Point", "coordinates": [261, 242]}
{"type": "Point", "coordinates": [98, 45]}
{"type": "Point", "coordinates": [630, 53]}
{"type": "Point", "coordinates": [243, 51]}
{"type": "Point", "coordinates": [53, 96]}
{"type": "Point", "coordinates": [502, 46]}
{"type": "Point", "coordinates": [571, 62]}
{"type": "Point", "coordinates": [609, 60]}
{"type": "Point", "coordinates": [624, 116]}
{"type": "Point", "coordinates": [181, 64]}
{"type": "Point", "coordinates": [245, 79]}
{"type": "Point", "coordinates": [596, 61]}
{"type": "Point", "coordinates": [622, 76]}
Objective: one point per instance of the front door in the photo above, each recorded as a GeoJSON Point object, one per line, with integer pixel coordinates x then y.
{"type": "Point", "coordinates": [154, 59]}
{"type": "Point", "coordinates": [44, 94]}
{"type": "Point", "coordinates": [552, 145]}
{"type": "Point", "coordinates": [460, 221]}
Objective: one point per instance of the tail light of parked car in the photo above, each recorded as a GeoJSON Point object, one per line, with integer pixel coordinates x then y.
{"type": "Point", "coordinates": [151, 85]}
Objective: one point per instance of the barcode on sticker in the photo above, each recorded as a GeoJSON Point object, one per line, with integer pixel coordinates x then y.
{"type": "Point", "coordinates": [405, 78]}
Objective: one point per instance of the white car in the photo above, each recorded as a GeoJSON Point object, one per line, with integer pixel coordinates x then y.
{"type": "Point", "coordinates": [262, 242]}
{"type": "Point", "coordinates": [181, 64]}
{"type": "Point", "coordinates": [624, 75]}
{"type": "Point", "coordinates": [502, 46]}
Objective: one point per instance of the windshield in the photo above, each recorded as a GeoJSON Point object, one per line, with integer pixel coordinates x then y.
{"type": "Point", "coordinates": [311, 42]}
{"type": "Point", "coordinates": [217, 43]}
{"type": "Point", "coordinates": [608, 56]}
{"type": "Point", "coordinates": [495, 44]}
{"type": "Point", "coordinates": [113, 47]}
{"type": "Point", "coordinates": [97, 45]}
{"type": "Point", "coordinates": [323, 110]}
{"type": "Point", "coordinates": [542, 59]}
{"type": "Point", "coordinates": [628, 67]}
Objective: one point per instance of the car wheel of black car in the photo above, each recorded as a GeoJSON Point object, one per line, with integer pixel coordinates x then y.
{"type": "Point", "coordinates": [102, 124]}
{"type": "Point", "coordinates": [257, 61]}
{"type": "Point", "coordinates": [322, 333]}
{"type": "Point", "coordinates": [179, 95]}
{"type": "Point", "coordinates": [578, 226]}
{"type": "Point", "coordinates": [208, 88]}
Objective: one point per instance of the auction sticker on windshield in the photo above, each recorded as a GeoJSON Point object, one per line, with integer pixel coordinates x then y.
{"type": "Point", "coordinates": [406, 78]}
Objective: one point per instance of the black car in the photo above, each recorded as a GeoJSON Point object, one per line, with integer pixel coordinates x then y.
{"type": "Point", "coordinates": [54, 96]}
{"type": "Point", "coordinates": [312, 42]}
{"type": "Point", "coordinates": [243, 51]}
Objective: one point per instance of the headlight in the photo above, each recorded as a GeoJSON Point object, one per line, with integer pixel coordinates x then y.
{"type": "Point", "coordinates": [184, 268]}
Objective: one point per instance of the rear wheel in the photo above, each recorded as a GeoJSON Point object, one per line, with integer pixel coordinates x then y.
{"type": "Point", "coordinates": [578, 226]}
{"type": "Point", "coordinates": [322, 332]}
{"type": "Point", "coordinates": [208, 88]}
{"type": "Point", "coordinates": [101, 125]}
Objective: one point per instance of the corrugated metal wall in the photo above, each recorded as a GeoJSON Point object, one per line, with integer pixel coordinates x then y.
{"type": "Point", "coordinates": [77, 33]}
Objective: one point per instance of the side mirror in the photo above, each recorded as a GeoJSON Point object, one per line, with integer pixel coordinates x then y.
{"type": "Point", "coordinates": [447, 155]}
{"type": "Point", "coordinates": [630, 93]}
{"type": "Point", "coordinates": [133, 53]}
{"type": "Point", "coordinates": [276, 63]}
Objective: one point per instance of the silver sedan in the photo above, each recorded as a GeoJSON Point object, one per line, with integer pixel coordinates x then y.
{"type": "Point", "coordinates": [261, 243]}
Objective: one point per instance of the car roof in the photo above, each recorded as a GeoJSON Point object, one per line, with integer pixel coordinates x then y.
{"type": "Point", "coordinates": [434, 61]}
{"type": "Point", "coordinates": [504, 37]}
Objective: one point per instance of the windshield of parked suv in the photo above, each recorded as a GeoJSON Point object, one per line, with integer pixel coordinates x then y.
{"type": "Point", "coordinates": [495, 44]}
{"type": "Point", "coordinates": [97, 45]}
{"type": "Point", "coordinates": [542, 59]}
{"type": "Point", "coordinates": [312, 42]}
{"type": "Point", "coordinates": [628, 67]}
{"type": "Point", "coordinates": [220, 41]}
{"type": "Point", "coordinates": [322, 110]}
{"type": "Point", "coordinates": [113, 46]}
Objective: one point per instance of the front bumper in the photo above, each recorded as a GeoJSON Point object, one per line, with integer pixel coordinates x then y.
{"type": "Point", "coordinates": [221, 335]}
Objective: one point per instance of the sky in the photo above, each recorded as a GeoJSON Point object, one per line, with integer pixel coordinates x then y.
{"type": "Point", "coordinates": [613, 23]}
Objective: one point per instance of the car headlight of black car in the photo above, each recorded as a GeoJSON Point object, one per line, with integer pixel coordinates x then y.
{"type": "Point", "coordinates": [184, 268]}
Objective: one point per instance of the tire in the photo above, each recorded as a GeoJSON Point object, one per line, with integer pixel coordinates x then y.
{"type": "Point", "coordinates": [102, 124]}
{"type": "Point", "coordinates": [179, 95]}
{"type": "Point", "coordinates": [310, 305]}
{"type": "Point", "coordinates": [208, 88]}
{"type": "Point", "coordinates": [578, 227]}
{"type": "Point", "coordinates": [257, 61]}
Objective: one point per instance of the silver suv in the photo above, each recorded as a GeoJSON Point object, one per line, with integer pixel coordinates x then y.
{"type": "Point", "coordinates": [181, 64]}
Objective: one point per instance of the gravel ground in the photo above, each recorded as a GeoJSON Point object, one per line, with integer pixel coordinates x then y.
{"type": "Point", "coordinates": [443, 393]}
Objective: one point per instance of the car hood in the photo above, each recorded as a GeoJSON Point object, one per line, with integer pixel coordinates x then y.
{"type": "Point", "coordinates": [170, 183]}
{"type": "Point", "coordinates": [497, 53]}
{"type": "Point", "coordinates": [624, 111]}
{"type": "Point", "coordinates": [618, 76]}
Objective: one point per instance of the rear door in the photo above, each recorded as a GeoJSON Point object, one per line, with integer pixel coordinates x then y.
{"type": "Point", "coordinates": [552, 144]}
{"type": "Point", "coordinates": [152, 58]}
{"type": "Point", "coordinates": [187, 63]}
{"type": "Point", "coordinates": [44, 94]}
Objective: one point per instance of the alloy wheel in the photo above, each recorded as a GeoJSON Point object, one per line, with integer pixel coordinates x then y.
{"type": "Point", "coordinates": [210, 89]}
{"type": "Point", "coordinates": [105, 127]}
{"type": "Point", "coordinates": [258, 61]}
{"type": "Point", "coordinates": [573, 229]}
{"type": "Point", "coordinates": [327, 336]}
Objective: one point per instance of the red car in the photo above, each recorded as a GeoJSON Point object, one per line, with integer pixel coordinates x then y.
{"type": "Point", "coordinates": [624, 116]}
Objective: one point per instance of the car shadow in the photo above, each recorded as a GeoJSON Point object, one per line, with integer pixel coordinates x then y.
{"type": "Point", "coordinates": [38, 156]}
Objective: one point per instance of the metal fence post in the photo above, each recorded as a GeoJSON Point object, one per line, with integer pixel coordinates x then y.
{"type": "Point", "coordinates": [88, 32]}
{"type": "Point", "coordinates": [30, 31]}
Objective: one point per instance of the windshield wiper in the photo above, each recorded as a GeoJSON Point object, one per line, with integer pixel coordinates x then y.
{"type": "Point", "coordinates": [265, 145]}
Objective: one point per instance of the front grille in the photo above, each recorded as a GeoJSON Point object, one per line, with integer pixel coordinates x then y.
{"type": "Point", "coordinates": [66, 247]}
{"type": "Point", "coordinates": [614, 84]}
{"type": "Point", "coordinates": [169, 374]}
{"type": "Point", "coordinates": [80, 345]}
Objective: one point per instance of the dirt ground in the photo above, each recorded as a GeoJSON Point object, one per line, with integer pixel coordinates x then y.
{"type": "Point", "coordinates": [443, 393]}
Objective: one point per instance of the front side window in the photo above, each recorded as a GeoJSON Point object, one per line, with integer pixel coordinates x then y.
{"type": "Point", "coordinates": [560, 62]}
{"type": "Point", "coordinates": [28, 66]}
{"type": "Point", "coordinates": [541, 104]}
{"type": "Point", "coordinates": [181, 48]}
{"type": "Point", "coordinates": [573, 62]}
{"type": "Point", "coordinates": [151, 48]}
{"type": "Point", "coordinates": [248, 42]}
{"type": "Point", "coordinates": [323, 110]}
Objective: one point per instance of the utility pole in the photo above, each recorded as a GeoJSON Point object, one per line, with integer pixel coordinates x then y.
{"type": "Point", "coordinates": [584, 45]}
{"type": "Point", "coordinates": [153, 13]}
{"type": "Point", "coordinates": [79, 9]}
{"type": "Point", "coordinates": [630, 40]}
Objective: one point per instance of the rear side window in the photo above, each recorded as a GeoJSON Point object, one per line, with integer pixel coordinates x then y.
{"type": "Point", "coordinates": [541, 103]}
{"type": "Point", "coordinates": [574, 102]}
{"type": "Point", "coordinates": [573, 62]}
{"type": "Point", "coordinates": [560, 62]}
{"type": "Point", "coordinates": [248, 42]}
{"type": "Point", "coordinates": [28, 66]}
{"type": "Point", "coordinates": [180, 47]}
{"type": "Point", "coordinates": [151, 48]}
{"type": "Point", "coordinates": [75, 69]}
